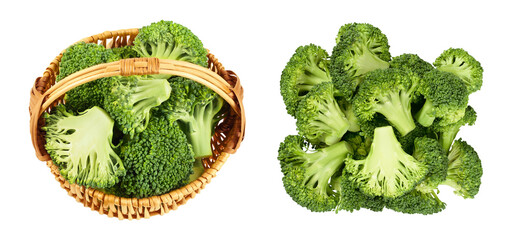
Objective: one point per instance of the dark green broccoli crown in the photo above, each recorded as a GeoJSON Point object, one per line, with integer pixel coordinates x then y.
{"type": "Point", "coordinates": [465, 170]}
{"type": "Point", "coordinates": [157, 160]}
{"type": "Point", "coordinates": [416, 202]}
{"type": "Point", "coordinates": [308, 176]}
{"type": "Point", "coordinates": [446, 98]}
{"type": "Point", "coordinates": [351, 198]}
{"type": "Point", "coordinates": [387, 171]}
{"type": "Point", "coordinates": [81, 146]}
{"type": "Point", "coordinates": [78, 57]}
{"type": "Point", "coordinates": [360, 48]}
{"type": "Point", "coordinates": [447, 133]}
{"type": "Point", "coordinates": [462, 64]}
{"type": "Point", "coordinates": [319, 117]}
{"type": "Point", "coordinates": [168, 40]}
{"type": "Point", "coordinates": [411, 62]}
{"type": "Point", "coordinates": [430, 152]}
{"type": "Point", "coordinates": [390, 93]}
{"type": "Point", "coordinates": [307, 67]}
{"type": "Point", "coordinates": [130, 99]}
{"type": "Point", "coordinates": [123, 53]}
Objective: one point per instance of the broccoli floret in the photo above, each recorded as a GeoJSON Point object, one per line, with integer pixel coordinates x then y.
{"type": "Point", "coordinates": [158, 160]}
{"type": "Point", "coordinates": [351, 198]}
{"type": "Point", "coordinates": [387, 171]}
{"type": "Point", "coordinates": [130, 100]}
{"type": "Point", "coordinates": [429, 151]}
{"type": "Point", "coordinates": [198, 109]}
{"type": "Point", "coordinates": [360, 48]}
{"type": "Point", "coordinates": [446, 98]}
{"type": "Point", "coordinates": [319, 117]}
{"type": "Point", "coordinates": [411, 62]}
{"type": "Point", "coordinates": [78, 57]}
{"type": "Point", "coordinates": [447, 133]}
{"type": "Point", "coordinates": [465, 170]}
{"type": "Point", "coordinates": [416, 202]}
{"type": "Point", "coordinates": [308, 174]}
{"type": "Point", "coordinates": [81, 146]}
{"type": "Point", "coordinates": [123, 53]}
{"type": "Point", "coordinates": [390, 93]}
{"type": "Point", "coordinates": [307, 67]}
{"type": "Point", "coordinates": [462, 64]}
{"type": "Point", "coordinates": [168, 40]}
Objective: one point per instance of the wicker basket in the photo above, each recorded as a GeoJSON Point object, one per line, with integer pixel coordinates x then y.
{"type": "Point", "coordinates": [46, 94]}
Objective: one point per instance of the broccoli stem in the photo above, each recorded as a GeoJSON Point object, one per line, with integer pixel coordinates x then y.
{"type": "Point", "coordinates": [425, 116]}
{"type": "Point", "coordinates": [396, 107]}
{"type": "Point", "coordinates": [323, 164]}
{"type": "Point", "coordinates": [313, 76]}
{"type": "Point", "coordinates": [367, 62]}
{"type": "Point", "coordinates": [446, 139]}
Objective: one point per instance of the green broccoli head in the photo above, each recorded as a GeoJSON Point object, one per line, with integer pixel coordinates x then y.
{"type": "Point", "coordinates": [168, 40]}
{"type": "Point", "coordinates": [448, 133]}
{"type": "Point", "coordinates": [307, 67]}
{"type": "Point", "coordinates": [446, 98]}
{"type": "Point", "coordinates": [387, 171]}
{"type": "Point", "coordinates": [430, 152]}
{"type": "Point", "coordinates": [198, 109]}
{"type": "Point", "coordinates": [388, 92]}
{"type": "Point", "coordinates": [411, 62]}
{"type": "Point", "coordinates": [81, 146]}
{"type": "Point", "coordinates": [360, 48]}
{"type": "Point", "coordinates": [308, 175]}
{"type": "Point", "coordinates": [462, 64]}
{"type": "Point", "coordinates": [319, 117]}
{"type": "Point", "coordinates": [158, 160]}
{"type": "Point", "coordinates": [78, 57]}
{"type": "Point", "coordinates": [465, 170]}
{"type": "Point", "coordinates": [130, 99]}
{"type": "Point", "coordinates": [416, 202]}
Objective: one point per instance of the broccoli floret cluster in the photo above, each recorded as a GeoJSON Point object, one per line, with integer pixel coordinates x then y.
{"type": "Point", "coordinates": [134, 136]}
{"type": "Point", "coordinates": [376, 131]}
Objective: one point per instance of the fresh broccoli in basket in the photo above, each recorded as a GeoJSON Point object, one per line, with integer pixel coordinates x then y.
{"type": "Point", "coordinates": [129, 100]}
{"type": "Point", "coordinates": [81, 145]}
{"type": "Point", "coordinates": [78, 57]}
{"type": "Point", "coordinates": [307, 67]}
{"type": "Point", "coordinates": [157, 160]}
{"type": "Point", "coordinates": [198, 109]}
{"type": "Point", "coordinates": [169, 40]}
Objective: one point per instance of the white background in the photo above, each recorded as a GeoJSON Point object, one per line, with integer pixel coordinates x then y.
{"type": "Point", "coordinates": [247, 200]}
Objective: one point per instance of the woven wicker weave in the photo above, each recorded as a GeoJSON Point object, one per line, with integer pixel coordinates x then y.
{"type": "Point", "coordinates": [46, 94]}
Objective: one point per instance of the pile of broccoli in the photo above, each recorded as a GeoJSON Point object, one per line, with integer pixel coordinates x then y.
{"type": "Point", "coordinates": [377, 131]}
{"type": "Point", "coordinates": [134, 136]}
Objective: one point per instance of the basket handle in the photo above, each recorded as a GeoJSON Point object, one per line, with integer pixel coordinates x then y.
{"type": "Point", "coordinates": [41, 100]}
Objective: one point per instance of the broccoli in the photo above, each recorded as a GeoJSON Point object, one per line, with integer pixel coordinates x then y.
{"type": "Point", "coordinates": [319, 117]}
{"type": "Point", "coordinates": [130, 100]}
{"type": "Point", "coordinates": [447, 133]}
{"type": "Point", "coordinates": [430, 152]}
{"type": "Point", "coordinates": [411, 62]}
{"type": "Point", "coordinates": [465, 170]}
{"type": "Point", "coordinates": [78, 57]}
{"type": "Point", "coordinates": [390, 93]}
{"type": "Point", "coordinates": [347, 108]}
{"type": "Point", "coordinates": [387, 171]}
{"type": "Point", "coordinates": [462, 64]}
{"type": "Point", "coordinates": [351, 198]}
{"type": "Point", "coordinates": [198, 109]}
{"type": "Point", "coordinates": [360, 48]}
{"type": "Point", "coordinates": [123, 53]}
{"type": "Point", "coordinates": [359, 143]}
{"type": "Point", "coordinates": [81, 146]}
{"type": "Point", "coordinates": [308, 175]}
{"type": "Point", "coordinates": [446, 98]}
{"type": "Point", "coordinates": [307, 67]}
{"type": "Point", "coordinates": [168, 40]}
{"type": "Point", "coordinates": [416, 202]}
{"type": "Point", "coordinates": [157, 160]}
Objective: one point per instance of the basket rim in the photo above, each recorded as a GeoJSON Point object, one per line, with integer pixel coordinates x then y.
{"type": "Point", "coordinates": [228, 84]}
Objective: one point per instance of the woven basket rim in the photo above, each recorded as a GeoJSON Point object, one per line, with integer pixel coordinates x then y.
{"type": "Point", "coordinates": [227, 85]}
